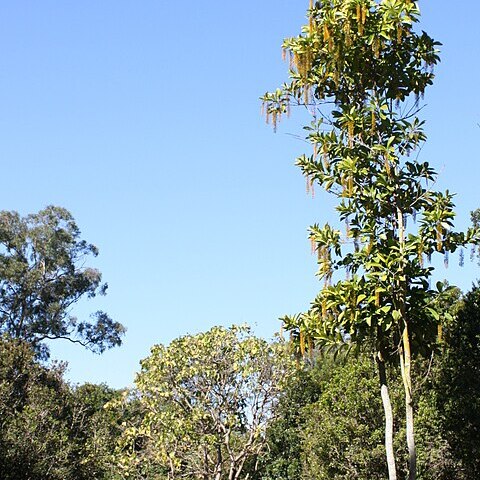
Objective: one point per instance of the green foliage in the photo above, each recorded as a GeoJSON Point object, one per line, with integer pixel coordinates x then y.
{"type": "Point", "coordinates": [42, 275]}
{"type": "Point", "coordinates": [205, 401]}
{"type": "Point", "coordinates": [34, 438]}
{"type": "Point", "coordinates": [94, 431]}
{"type": "Point", "coordinates": [328, 425]}
{"type": "Point", "coordinates": [49, 431]}
{"type": "Point", "coordinates": [457, 387]}
{"type": "Point", "coordinates": [343, 434]}
{"type": "Point", "coordinates": [283, 458]}
{"type": "Point", "coordinates": [360, 68]}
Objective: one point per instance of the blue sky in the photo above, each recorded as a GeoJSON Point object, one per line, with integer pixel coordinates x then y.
{"type": "Point", "coordinates": [143, 119]}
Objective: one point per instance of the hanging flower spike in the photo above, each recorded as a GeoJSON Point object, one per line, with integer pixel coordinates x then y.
{"type": "Point", "coordinates": [291, 60]}
{"type": "Point", "coordinates": [302, 343]}
{"type": "Point", "coordinates": [326, 33]}
{"type": "Point", "coordinates": [399, 33]}
{"type": "Point", "coordinates": [346, 31]}
{"type": "Point", "coordinates": [308, 61]}
{"type": "Point", "coordinates": [439, 237]}
{"type": "Point", "coordinates": [306, 94]}
{"type": "Point", "coordinates": [377, 297]}
{"type": "Point", "coordinates": [387, 165]}
{"type": "Point", "coordinates": [420, 254]}
{"type": "Point", "coordinates": [326, 161]}
{"type": "Point", "coordinates": [296, 61]}
{"type": "Point", "coordinates": [439, 333]}
{"type": "Point", "coordinates": [274, 120]}
{"type": "Point", "coordinates": [350, 128]}
{"type": "Point", "coordinates": [324, 308]}
{"type": "Point", "coordinates": [359, 19]}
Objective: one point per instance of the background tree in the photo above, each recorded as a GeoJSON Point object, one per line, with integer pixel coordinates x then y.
{"type": "Point", "coordinates": [342, 438]}
{"type": "Point", "coordinates": [455, 391]}
{"type": "Point", "coordinates": [34, 436]}
{"type": "Point", "coordinates": [283, 458]}
{"type": "Point", "coordinates": [42, 275]}
{"type": "Point", "coordinates": [359, 67]}
{"type": "Point", "coordinates": [49, 430]}
{"type": "Point", "coordinates": [206, 401]}
{"type": "Point", "coordinates": [94, 430]}
{"type": "Point", "coordinates": [327, 423]}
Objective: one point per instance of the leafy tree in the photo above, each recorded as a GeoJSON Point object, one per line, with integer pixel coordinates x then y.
{"type": "Point", "coordinates": [456, 391]}
{"type": "Point", "coordinates": [327, 423]}
{"type": "Point", "coordinates": [49, 430]}
{"type": "Point", "coordinates": [34, 436]}
{"type": "Point", "coordinates": [94, 431]}
{"type": "Point", "coordinates": [205, 403]}
{"type": "Point", "coordinates": [283, 457]}
{"type": "Point", "coordinates": [343, 432]}
{"type": "Point", "coordinates": [42, 274]}
{"type": "Point", "coordinates": [359, 67]}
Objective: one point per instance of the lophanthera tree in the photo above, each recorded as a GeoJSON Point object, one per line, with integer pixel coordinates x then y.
{"type": "Point", "coordinates": [42, 275]}
{"type": "Point", "coordinates": [360, 68]}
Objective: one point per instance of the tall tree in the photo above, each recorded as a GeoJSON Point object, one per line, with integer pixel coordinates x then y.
{"type": "Point", "coordinates": [42, 275]}
{"type": "Point", "coordinates": [360, 68]}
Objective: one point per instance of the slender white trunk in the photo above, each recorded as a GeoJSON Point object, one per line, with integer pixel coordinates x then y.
{"type": "Point", "coordinates": [387, 408]}
{"type": "Point", "coordinates": [405, 365]}
{"type": "Point", "coordinates": [405, 359]}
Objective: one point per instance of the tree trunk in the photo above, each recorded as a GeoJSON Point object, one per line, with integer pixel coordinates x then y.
{"type": "Point", "coordinates": [405, 359]}
{"type": "Point", "coordinates": [405, 365]}
{"type": "Point", "coordinates": [387, 408]}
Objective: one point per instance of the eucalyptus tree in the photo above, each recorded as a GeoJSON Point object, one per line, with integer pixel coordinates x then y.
{"type": "Point", "coordinates": [360, 69]}
{"type": "Point", "coordinates": [42, 275]}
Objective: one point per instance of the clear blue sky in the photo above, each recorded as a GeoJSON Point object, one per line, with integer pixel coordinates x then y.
{"type": "Point", "coordinates": [143, 119]}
